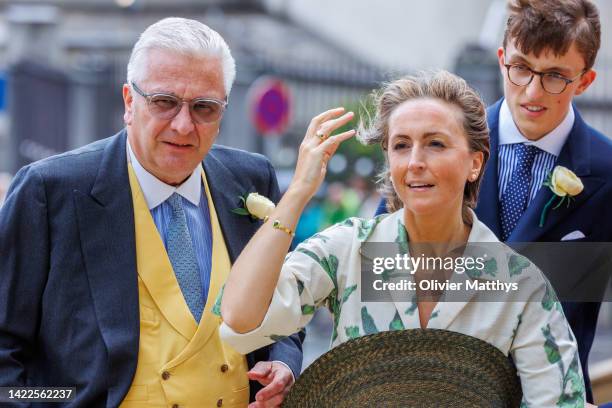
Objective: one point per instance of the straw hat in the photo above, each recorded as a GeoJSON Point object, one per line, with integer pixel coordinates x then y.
{"type": "Point", "coordinates": [409, 368]}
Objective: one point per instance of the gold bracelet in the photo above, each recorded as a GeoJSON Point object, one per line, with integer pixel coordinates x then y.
{"type": "Point", "coordinates": [277, 225]}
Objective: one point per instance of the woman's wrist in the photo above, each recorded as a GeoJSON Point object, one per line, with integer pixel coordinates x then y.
{"type": "Point", "coordinates": [298, 196]}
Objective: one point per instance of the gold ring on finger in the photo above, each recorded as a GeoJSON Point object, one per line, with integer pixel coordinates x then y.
{"type": "Point", "coordinates": [322, 136]}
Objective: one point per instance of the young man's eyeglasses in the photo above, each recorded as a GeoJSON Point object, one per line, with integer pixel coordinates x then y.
{"type": "Point", "coordinates": [166, 107]}
{"type": "Point", "coordinates": [521, 75]}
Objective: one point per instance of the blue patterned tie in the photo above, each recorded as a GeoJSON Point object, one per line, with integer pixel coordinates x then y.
{"type": "Point", "coordinates": [183, 259]}
{"type": "Point", "coordinates": [515, 198]}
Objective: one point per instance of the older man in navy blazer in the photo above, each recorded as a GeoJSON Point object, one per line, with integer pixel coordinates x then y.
{"type": "Point", "coordinates": [70, 280]}
{"type": "Point", "coordinates": [546, 59]}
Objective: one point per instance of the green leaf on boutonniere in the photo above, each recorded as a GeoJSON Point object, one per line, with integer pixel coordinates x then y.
{"type": "Point", "coordinates": [564, 184]}
{"type": "Point", "coordinates": [240, 211]}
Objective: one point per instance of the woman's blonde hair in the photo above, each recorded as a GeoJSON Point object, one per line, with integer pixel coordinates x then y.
{"type": "Point", "coordinates": [441, 85]}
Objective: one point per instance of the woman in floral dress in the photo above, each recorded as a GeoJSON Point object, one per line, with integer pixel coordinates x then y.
{"type": "Point", "coordinates": [435, 137]}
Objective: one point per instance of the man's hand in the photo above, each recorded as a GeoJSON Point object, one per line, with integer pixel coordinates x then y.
{"type": "Point", "coordinates": [277, 379]}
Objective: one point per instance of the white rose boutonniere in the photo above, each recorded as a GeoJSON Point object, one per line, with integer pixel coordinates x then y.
{"type": "Point", "coordinates": [255, 205]}
{"type": "Point", "coordinates": [565, 185]}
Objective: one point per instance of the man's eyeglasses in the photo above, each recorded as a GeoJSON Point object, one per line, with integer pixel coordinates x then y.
{"type": "Point", "coordinates": [166, 106]}
{"type": "Point", "coordinates": [521, 75]}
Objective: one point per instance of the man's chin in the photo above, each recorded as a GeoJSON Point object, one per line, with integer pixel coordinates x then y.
{"type": "Point", "coordinates": [532, 129]}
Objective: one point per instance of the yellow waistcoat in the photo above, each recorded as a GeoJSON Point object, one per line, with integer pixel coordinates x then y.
{"type": "Point", "coordinates": [180, 363]}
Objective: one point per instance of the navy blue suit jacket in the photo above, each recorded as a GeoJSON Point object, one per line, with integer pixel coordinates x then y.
{"type": "Point", "coordinates": [68, 280]}
{"type": "Point", "coordinates": [589, 154]}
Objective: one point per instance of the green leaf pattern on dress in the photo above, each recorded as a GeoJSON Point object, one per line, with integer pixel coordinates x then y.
{"type": "Point", "coordinates": [550, 300]}
{"type": "Point", "coordinates": [308, 309]}
{"type": "Point", "coordinates": [516, 264]}
{"type": "Point", "coordinates": [519, 319]}
{"type": "Point", "coordinates": [366, 228]}
{"type": "Point", "coordinates": [330, 266]}
{"type": "Point", "coordinates": [402, 238]}
{"type": "Point", "coordinates": [413, 307]}
{"type": "Point", "coordinates": [396, 323]}
{"type": "Point", "coordinates": [352, 332]}
{"type": "Point", "coordinates": [572, 384]}
{"type": "Point", "coordinates": [369, 327]}
{"type": "Point", "coordinates": [347, 292]}
{"type": "Point", "coordinates": [550, 347]}
{"type": "Point", "coordinates": [490, 267]}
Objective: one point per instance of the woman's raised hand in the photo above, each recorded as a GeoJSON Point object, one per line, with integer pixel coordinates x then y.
{"type": "Point", "coordinates": [318, 146]}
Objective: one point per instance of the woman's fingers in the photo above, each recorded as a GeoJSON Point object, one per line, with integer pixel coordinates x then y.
{"type": "Point", "coordinates": [331, 144]}
{"type": "Point", "coordinates": [315, 123]}
{"type": "Point", "coordinates": [327, 115]}
{"type": "Point", "coordinates": [327, 128]}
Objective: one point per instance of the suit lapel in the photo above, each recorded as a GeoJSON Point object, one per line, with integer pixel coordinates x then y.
{"type": "Point", "coordinates": [106, 224]}
{"type": "Point", "coordinates": [576, 156]}
{"type": "Point", "coordinates": [236, 229]}
{"type": "Point", "coordinates": [487, 209]}
{"type": "Point", "coordinates": [225, 191]}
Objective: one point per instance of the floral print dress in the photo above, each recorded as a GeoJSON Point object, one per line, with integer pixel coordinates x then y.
{"type": "Point", "coordinates": [325, 271]}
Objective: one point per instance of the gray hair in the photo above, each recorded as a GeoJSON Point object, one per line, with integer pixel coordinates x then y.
{"type": "Point", "coordinates": [185, 36]}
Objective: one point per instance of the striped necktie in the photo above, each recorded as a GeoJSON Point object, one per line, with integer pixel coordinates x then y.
{"type": "Point", "coordinates": [183, 258]}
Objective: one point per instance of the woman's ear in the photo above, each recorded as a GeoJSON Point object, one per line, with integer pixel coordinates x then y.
{"type": "Point", "coordinates": [477, 160]}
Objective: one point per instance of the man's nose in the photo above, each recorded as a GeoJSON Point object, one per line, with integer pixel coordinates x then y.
{"type": "Point", "coordinates": [183, 122]}
{"type": "Point", "coordinates": [534, 88]}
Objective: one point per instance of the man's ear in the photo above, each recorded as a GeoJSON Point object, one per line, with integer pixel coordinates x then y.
{"type": "Point", "coordinates": [586, 80]}
{"type": "Point", "coordinates": [500, 59]}
{"type": "Point", "coordinates": [128, 114]}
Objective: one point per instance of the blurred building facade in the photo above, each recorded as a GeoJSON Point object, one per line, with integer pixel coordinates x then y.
{"type": "Point", "coordinates": [65, 62]}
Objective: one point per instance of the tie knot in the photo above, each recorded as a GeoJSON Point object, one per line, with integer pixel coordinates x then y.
{"type": "Point", "coordinates": [175, 202]}
{"type": "Point", "coordinates": [526, 153]}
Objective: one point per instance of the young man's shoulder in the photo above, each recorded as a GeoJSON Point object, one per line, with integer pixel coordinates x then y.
{"type": "Point", "coordinates": [601, 152]}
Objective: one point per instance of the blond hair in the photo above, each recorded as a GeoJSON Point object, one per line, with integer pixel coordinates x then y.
{"type": "Point", "coordinates": [441, 85]}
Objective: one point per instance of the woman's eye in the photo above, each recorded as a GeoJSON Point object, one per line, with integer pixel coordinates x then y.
{"type": "Point", "coordinates": [436, 143]}
{"type": "Point", "coordinates": [399, 146]}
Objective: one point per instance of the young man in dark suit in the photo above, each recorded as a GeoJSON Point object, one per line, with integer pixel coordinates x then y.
{"type": "Point", "coordinates": [546, 60]}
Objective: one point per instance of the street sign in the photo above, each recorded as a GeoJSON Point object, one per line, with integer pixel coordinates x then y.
{"type": "Point", "coordinates": [269, 104]}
